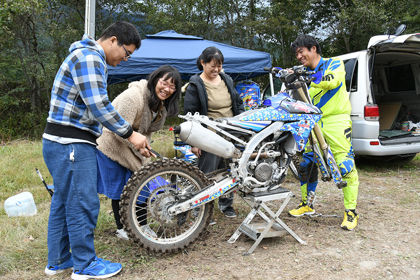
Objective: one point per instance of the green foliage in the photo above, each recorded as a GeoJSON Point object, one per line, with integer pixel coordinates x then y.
{"type": "Point", "coordinates": [349, 25]}
{"type": "Point", "coordinates": [115, 89]}
{"type": "Point", "coordinates": [39, 33]}
{"type": "Point", "coordinates": [410, 15]}
{"type": "Point", "coordinates": [284, 21]}
{"type": "Point", "coordinates": [185, 16]}
{"type": "Point", "coordinates": [232, 22]}
{"type": "Point", "coordinates": [17, 120]}
{"type": "Point", "coordinates": [19, 23]}
{"type": "Point", "coordinates": [110, 11]}
{"type": "Point", "coordinates": [10, 72]}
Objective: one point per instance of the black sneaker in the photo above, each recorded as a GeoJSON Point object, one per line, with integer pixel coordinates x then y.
{"type": "Point", "coordinates": [230, 212]}
{"type": "Point", "coordinates": [212, 222]}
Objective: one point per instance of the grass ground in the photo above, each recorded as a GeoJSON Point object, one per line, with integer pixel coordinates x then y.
{"type": "Point", "coordinates": [384, 186]}
{"type": "Point", "coordinates": [23, 239]}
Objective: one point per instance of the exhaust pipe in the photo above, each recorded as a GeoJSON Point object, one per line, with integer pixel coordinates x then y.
{"type": "Point", "coordinates": [194, 134]}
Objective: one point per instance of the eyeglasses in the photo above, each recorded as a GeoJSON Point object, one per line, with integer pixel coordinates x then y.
{"type": "Point", "coordinates": [126, 52]}
{"type": "Point", "coordinates": [166, 85]}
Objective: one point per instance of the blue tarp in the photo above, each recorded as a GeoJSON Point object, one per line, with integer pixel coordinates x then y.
{"type": "Point", "coordinates": [181, 51]}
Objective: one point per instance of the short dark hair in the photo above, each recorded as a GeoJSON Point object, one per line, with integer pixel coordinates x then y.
{"type": "Point", "coordinates": [307, 41]}
{"type": "Point", "coordinates": [208, 55]}
{"type": "Point", "coordinates": [125, 32]}
{"type": "Point", "coordinates": [171, 103]}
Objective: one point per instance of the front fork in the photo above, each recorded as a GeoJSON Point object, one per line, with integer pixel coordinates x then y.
{"type": "Point", "coordinates": [333, 170]}
{"type": "Point", "coordinates": [323, 155]}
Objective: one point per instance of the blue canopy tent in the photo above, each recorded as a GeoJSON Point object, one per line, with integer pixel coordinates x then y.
{"type": "Point", "coordinates": [181, 51]}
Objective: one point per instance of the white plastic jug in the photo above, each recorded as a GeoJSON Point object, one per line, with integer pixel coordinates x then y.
{"type": "Point", "coordinates": [22, 204]}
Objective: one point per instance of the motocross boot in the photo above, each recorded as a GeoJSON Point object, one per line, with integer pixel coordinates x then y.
{"type": "Point", "coordinates": [350, 219]}
{"type": "Point", "coordinates": [302, 209]}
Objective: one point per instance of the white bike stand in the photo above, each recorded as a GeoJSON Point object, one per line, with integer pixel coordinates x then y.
{"type": "Point", "coordinates": [273, 226]}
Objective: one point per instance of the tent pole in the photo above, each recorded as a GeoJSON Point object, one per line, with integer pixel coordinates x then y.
{"type": "Point", "coordinates": [90, 18]}
{"type": "Point", "coordinates": [271, 84]}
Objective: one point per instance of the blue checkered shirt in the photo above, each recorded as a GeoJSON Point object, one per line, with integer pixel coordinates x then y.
{"type": "Point", "coordinates": [79, 97]}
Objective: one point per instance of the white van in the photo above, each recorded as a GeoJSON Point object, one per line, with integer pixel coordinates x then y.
{"type": "Point", "coordinates": [384, 87]}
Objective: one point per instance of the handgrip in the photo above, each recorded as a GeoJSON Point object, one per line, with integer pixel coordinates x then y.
{"type": "Point", "coordinates": [272, 70]}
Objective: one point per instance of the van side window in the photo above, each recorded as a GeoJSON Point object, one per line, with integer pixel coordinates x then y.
{"type": "Point", "coordinates": [400, 78]}
{"type": "Point", "coordinates": [350, 66]}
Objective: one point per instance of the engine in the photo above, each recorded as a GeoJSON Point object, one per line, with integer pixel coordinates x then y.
{"type": "Point", "coordinates": [265, 169]}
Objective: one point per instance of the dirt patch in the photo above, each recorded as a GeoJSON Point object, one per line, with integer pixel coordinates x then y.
{"type": "Point", "coordinates": [385, 245]}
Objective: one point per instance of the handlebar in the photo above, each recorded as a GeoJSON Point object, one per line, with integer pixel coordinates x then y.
{"type": "Point", "coordinates": [268, 69]}
{"type": "Point", "coordinates": [272, 70]}
{"type": "Point", "coordinates": [299, 70]}
{"type": "Point", "coordinates": [292, 74]}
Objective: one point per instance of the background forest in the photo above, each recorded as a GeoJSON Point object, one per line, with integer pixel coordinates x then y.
{"type": "Point", "coordinates": [36, 35]}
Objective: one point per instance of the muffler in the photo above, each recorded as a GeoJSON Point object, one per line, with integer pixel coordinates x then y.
{"type": "Point", "coordinates": [194, 134]}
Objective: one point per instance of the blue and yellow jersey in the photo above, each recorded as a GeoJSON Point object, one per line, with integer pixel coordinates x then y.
{"type": "Point", "coordinates": [330, 95]}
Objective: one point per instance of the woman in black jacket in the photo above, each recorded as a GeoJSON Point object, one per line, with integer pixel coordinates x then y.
{"type": "Point", "coordinates": [212, 93]}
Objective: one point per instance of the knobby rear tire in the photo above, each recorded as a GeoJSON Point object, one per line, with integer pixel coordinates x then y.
{"type": "Point", "coordinates": [169, 237]}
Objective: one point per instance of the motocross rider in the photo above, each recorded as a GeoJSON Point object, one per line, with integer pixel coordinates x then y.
{"type": "Point", "coordinates": [331, 97]}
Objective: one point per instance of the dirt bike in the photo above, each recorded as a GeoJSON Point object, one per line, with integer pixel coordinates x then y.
{"type": "Point", "coordinates": [167, 204]}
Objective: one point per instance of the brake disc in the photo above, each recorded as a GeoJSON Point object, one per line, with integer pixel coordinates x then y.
{"type": "Point", "coordinates": [160, 200]}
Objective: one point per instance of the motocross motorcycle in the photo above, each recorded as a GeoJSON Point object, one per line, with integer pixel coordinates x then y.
{"type": "Point", "coordinates": [167, 204]}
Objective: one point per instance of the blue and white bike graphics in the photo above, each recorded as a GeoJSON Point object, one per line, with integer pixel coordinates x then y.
{"type": "Point", "coordinates": [257, 146]}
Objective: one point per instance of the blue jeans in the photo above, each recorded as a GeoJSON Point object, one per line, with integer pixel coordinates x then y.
{"type": "Point", "coordinates": [75, 203]}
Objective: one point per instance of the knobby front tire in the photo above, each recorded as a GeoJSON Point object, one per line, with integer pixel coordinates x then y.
{"type": "Point", "coordinates": [146, 198]}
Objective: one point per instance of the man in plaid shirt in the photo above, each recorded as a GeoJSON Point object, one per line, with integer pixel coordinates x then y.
{"type": "Point", "coordinates": [79, 108]}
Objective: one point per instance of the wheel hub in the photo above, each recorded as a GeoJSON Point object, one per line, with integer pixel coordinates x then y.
{"type": "Point", "coordinates": [159, 202]}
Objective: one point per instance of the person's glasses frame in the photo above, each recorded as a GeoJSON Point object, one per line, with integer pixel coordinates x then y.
{"type": "Point", "coordinates": [165, 85]}
{"type": "Point", "coordinates": [126, 52]}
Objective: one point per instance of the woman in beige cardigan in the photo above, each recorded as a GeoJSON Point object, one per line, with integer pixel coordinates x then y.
{"type": "Point", "coordinates": [145, 105]}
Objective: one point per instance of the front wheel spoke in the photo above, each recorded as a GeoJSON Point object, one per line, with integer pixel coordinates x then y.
{"type": "Point", "coordinates": [183, 230]}
{"type": "Point", "coordinates": [173, 232]}
{"type": "Point", "coordinates": [176, 235]}
{"type": "Point", "coordinates": [157, 231]}
{"type": "Point", "coordinates": [170, 232]}
{"type": "Point", "coordinates": [164, 233]}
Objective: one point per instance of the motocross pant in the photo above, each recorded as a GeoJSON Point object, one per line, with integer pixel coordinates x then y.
{"type": "Point", "coordinates": [336, 130]}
